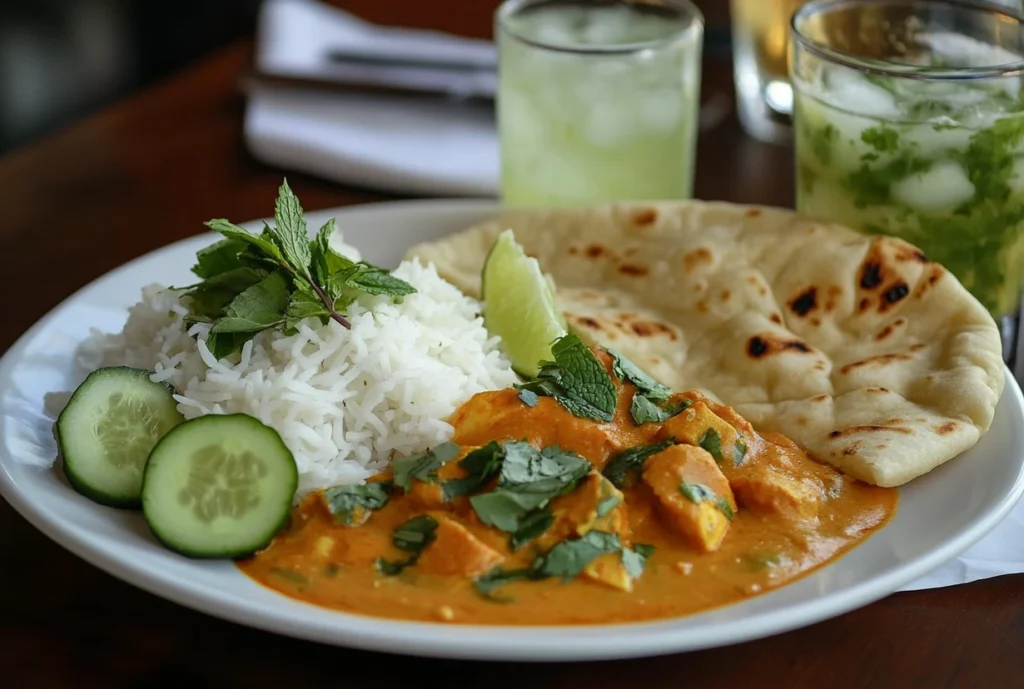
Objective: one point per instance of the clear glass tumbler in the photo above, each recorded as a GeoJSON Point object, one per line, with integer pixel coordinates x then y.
{"type": "Point", "coordinates": [909, 121]}
{"type": "Point", "coordinates": [760, 47]}
{"type": "Point", "coordinates": [597, 100]}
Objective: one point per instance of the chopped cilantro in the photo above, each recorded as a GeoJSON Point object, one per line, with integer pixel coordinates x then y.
{"type": "Point", "coordinates": [350, 505]}
{"type": "Point", "coordinates": [712, 442]}
{"type": "Point", "coordinates": [480, 465]}
{"type": "Point", "coordinates": [643, 410]}
{"type": "Point", "coordinates": [626, 370]}
{"type": "Point", "coordinates": [528, 397]}
{"type": "Point", "coordinates": [423, 467]}
{"type": "Point", "coordinates": [619, 467]}
{"type": "Point", "coordinates": [413, 537]}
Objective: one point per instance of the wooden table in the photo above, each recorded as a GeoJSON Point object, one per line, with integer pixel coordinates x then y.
{"type": "Point", "coordinates": [148, 172]}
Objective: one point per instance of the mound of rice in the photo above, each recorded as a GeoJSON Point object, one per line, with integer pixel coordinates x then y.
{"type": "Point", "coordinates": [344, 401]}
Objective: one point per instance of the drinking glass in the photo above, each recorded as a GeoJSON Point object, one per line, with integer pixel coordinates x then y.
{"type": "Point", "coordinates": [597, 100]}
{"type": "Point", "coordinates": [760, 44]}
{"type": "Point", "coordinates": [909, 121]}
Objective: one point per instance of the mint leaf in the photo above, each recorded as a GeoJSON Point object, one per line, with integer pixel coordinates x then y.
{"type": "Point", "coordinates": [219, 258]}
{"type": "Point", "coordinates": [568, 558]}
{"type": "Point", "coordinates": [373, 280]}
{"type": "Point", "coordinates": [577, 380]}
{"type": "Point", "coordinates": [261, 242]}
{"type": "Point", "coordinates": [222, 345]}
{"type": "Point", "coordinates": [480, 465]}
{"type": "Point", "coordinates": [643, 410]}
{"type": "Point", "coordinates": [208, 299]}
{"type": "Point", "coordinates": [351, 504]}
{"type": "Point", "coordinates": [626, 370]}
{"type": "Point", "coordinates": [883, 139]}
{"type": "Point", "coordinates": [291, 233]}
{"type": "Point", "coordinates": [712, 442]}
{"type": "Point", "coordinates": [257, 308]}
{"type": "Point", "coordinates": [423, 467]}
{"type": "Point", "coordinates": [619, 467]}
{"type": "Point", "coordinates": [304, 305]}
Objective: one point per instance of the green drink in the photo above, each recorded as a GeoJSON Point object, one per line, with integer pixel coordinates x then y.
{"type": "Point", "coordinates": [597, 101]}
{"type": "Point", "coordinates": [917, 132]}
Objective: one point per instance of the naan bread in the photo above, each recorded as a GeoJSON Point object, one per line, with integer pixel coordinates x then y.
{"type": "Point", "coordinates": [858, 348]}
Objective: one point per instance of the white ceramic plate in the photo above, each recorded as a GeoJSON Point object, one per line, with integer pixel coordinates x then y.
{"type": "Point", "coordinates": [939, 515]}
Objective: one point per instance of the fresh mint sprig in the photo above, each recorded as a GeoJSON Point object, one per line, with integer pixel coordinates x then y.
{"type": "Point", "coordinates": [256, 282]}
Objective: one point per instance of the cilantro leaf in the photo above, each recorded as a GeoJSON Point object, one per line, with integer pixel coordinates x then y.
{"type": "Point", "coordinates": [480, 465]}
{"type": "Point", "coordinates": [531, 526]}
{"type": "Point", "coordinates": [506, 510]}
{"type": "Point", "coordinates": [257, 308]}
{"type": "Point", "coordinates": [645, 549]}
{"type": "Point", "coordinates": [292, 235]}
{"type": "Point", "coordinates": [620, 465]}
{"type": "Point", "coordinates": [626, 370]}
{"type": "Point", "coordinates": [528, 397]}
{"type": "Point", "coordinates": [696, 492]}
{"type": "Point", "coordinates": [739, 452]}
{"type": "Point", "coordinates": [643, 410]}
{"type": "Point", "coordinates": [487, 583]}
{"type": "Point", "coordinates": [633, 561]}
{"type": "Point", "coordinates": [723, 505]}
{"type": "Point", "coordinates": [568, 558]}
{"type": "Point", "coordinates": [351, 505]}
{"type": "Point", "coordinates": [608, 504]}
{"type": "Point", "coordinates": [219, 258]}
{"type": "Point", "coordinates": [413, 536]}
{"type": "Point", "coordinates": [423, 467]}
{"type": "Point", "coordinates": [712, 442]}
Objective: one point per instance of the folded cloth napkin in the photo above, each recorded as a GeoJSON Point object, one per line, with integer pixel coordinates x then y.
{"type": "Point", "coordinates": [391, 142]}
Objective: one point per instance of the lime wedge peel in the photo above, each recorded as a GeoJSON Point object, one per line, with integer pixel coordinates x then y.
{"type": "Point", "coordinates": [519, 305]}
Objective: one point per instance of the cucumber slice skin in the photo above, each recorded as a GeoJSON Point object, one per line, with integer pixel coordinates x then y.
{"type": "Point", "coordinates": [74, 464]}
{"type": "Point", "coordinates": [168, 455]}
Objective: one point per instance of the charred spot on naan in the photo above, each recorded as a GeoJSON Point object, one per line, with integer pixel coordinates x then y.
{"type": "Point", "coordinates": [890, 328]}
{"type": "Point", "coordinates": [644, 217]}
{"type": "Point", "coordinates": [696, 258]}
{"type": "Point", "coordinates": [805, 302]}
{"type": "Point", "coordinates": [946, 428]}
{"type": "Point", "coordinates": [766, 344]}
{"type": "Point", "coordinates": [882, 359]}
{"type": "Point", "coordinates": [633, 269]}
{"type": "Point", "coordinates": [868, 428]}
{"type": "Point", "coordinates": [627, 323]}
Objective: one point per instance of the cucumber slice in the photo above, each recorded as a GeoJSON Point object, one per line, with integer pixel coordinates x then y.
{"type": "Point", "coordinates": [219, 486]}
{"type": "Point", "coordinates": [107, 429]}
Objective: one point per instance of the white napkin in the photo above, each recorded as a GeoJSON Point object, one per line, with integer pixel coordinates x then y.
{"type": "Point", "coordinates": [396, 143]}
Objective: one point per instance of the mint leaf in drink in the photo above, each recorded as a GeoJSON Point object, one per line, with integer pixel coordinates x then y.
{"type": "Point", "coordinates": [821, 142]}
{"type": "Point", "coordinates": [351, 505]}
{"type": "Point", "coordinates": [219, 258]}
{"type": "Point", "coordinates": [626, 370]}
{"type": "Point", "coordinates": [870, 185]}
{"type": "Point", "coordinates": [291, 233]}
{"type": "Point", "coordinates": [257, 308]}
{"type": "Point", "coordinates": [621, 465]}
{"type": "Point", "coordinates": [883, 139]}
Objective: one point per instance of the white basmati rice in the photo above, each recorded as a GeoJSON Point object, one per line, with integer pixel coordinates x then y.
{"type": "Point", "coordinates": [344, 401]}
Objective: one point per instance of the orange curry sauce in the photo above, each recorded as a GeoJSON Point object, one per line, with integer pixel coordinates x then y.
{"type": "Point", "coordinates": [790, 515]}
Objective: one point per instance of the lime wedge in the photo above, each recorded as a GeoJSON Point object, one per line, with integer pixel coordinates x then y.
{"type": "Point", "coordinates": [519, 305]}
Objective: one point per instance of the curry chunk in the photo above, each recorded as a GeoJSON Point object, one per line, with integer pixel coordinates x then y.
{"type": "Point", "coordinates": [609, 570]}
{"type": "Point", "coordinates": [501, 415]}
{"type": "Point", "coordinates": [692, 426]}
{"type": "Point", "coordinates": [782, 480]}
{"type": "Point", "coordinates": [693, 495]}
{"type": "Point", "coordinates": [456, 551]}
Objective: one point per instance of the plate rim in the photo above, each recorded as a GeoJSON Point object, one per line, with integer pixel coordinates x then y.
{"type": "Point", "coordinates": [531, 643]}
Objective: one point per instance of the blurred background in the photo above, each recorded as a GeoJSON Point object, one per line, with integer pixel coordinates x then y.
{"type": "Point", "coordinates": [61, 60]}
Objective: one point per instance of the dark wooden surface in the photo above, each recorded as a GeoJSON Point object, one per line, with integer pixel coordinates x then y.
{"type": "Point", "coordinates": [149, 171]}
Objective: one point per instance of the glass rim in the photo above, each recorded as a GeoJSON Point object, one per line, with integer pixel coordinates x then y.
{"type": "Point", "coordinates": [689, 12]}
{"type": "Point", "coordinates": [906, 71]}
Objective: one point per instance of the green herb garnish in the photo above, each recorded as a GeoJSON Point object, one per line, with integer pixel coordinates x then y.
{"type": "Point", "coordinates": [350, 504]}
{"type": "Point", "coordinates": [626, 370]}
{"type": "Point", "coordinates": [633, 561]}
{"type": "Point", "coordinates": [712, 442]}
{"type": "Point", "coordinates": [289, 575]}
{"type": "Point", "coordinates": [643, 410]}
{"type": "Point", "coordinates": [531, 526]}
{"type": "Point", "coordinates": [577, 380]}
{"type": "Point", "coordinates": [883, 139]}
{"type": "Point", "coordinates": [619, 466]}
{"type": "Point", "coordinates": [255, 282]}
{"type": "Point", "coordinates": [698, 493]}
{"type": "Point", "coordinates": [606, 505]}
{"type": "Point", "coordinates": [413, 537]}
{"type": "Point", "coordinates": [528, 397]}
{"type": "Point", "coordinates": [423, 467]}
{"type": "Point", "coordinates": [568, 558]}
{"type": "Point", "coordinates": [739, 452]}
{"type": "Point", "coordinates": [480, 465]}
{"type": "Point", "coordinates": [497, 577]}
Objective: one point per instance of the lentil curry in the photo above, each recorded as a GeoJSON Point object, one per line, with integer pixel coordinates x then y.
{"type": "Point", "coordinates": [544, 511]}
